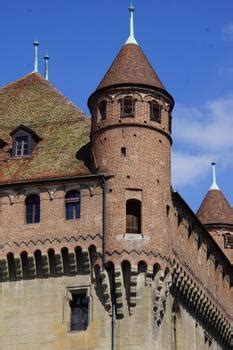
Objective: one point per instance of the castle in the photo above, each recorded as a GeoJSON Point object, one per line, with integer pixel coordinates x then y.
{"type": "Point", "coordinates": [97, 251]}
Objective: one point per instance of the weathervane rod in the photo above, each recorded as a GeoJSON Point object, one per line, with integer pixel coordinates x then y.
{"type": "Point", "coordinates": [131, 39]}
{"type": "Point", "coordinates": [214, 185]}
{"type": "Point", "coordinates": [46, 60]}
{"type": "Point", "coordinates": [35, 44]}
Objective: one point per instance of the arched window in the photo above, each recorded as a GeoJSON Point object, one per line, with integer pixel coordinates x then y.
{"type": "Point", "coordinates": [72, 203]}
{"type": "Point", "coordinates": [32, 204]}
{"type": "Point", "coordinates": [155, 111]}
{"type": "Point", "coordinates": [133, 216]}
{"type": "Point", "coordinates": [127, 106]}
{"type": "Point", "coordinates": [103, 109]}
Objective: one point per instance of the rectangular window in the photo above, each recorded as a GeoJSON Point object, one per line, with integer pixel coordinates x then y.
{"type": "Point", "coordinates": [79, 312]}
{"type": "Point", "coordinates": [21, 146]}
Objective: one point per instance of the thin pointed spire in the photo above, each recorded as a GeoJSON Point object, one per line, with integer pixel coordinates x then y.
{"type": "Point", "coordinates": [46, 60]}
{"type": "Point", "coordinates": [131, 39]}
{"type": "Point", "coordinates": [36, 44]}
{"type": "Point", "coordinates": [214, 185]}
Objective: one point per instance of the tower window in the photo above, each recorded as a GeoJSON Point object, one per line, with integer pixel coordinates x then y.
{"type": "Point", "coordinates": [123, 151]}
{"type": "Point", "coordinates": [79, 312]}
{"type": "Point", "coordinates": [103, 109]}
{"type": "Point", "coordinates": [21, 148]}
{"type": "Point", "coordinates": [133, 216]}
{"type": "Point", "coordinates": [127, 106]}
{"type": "Point", "coordinates": [155, 111]}
{"type": "Point", "coordinates": [72, 204]}
{"type": "Point", "coordinates": [32, 204]}
{"type": "Point", "coordinates": [170, 123]}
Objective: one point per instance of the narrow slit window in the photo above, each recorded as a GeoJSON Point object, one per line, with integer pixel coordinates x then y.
{"type": "Point", "coordinates": [123, 151]}
{"type": "Point", "coordinates": [32, 209]}
{"type": "Point", "coordinates": [155, 111]}
{"type": "Point", "coordinates": [127, 106]}
{"type": "Point", "coordinates": [79, 312]}
{"type": "Point", "coordinates": [72, 204]}
{"type": "Point", "coordinates": [133, 216]}
{"type": "Point", "coordinates": [103, 109]}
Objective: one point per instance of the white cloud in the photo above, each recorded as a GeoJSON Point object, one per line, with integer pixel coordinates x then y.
{"type": "Point", "coordinates": [227, 32]}
{"type": "Point", "coordinates": [202, 135]}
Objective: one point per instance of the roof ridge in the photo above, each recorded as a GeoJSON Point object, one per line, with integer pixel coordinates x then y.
{"type": "Point", "coordinates": [38, 75]}
{"type": "Point", "coordinates": [22, 78]}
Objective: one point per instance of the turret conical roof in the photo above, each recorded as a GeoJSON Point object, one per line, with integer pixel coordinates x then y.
{"type": "Point", "coordinates": [215, 209]}
{"type": "Point", "coordinates": [131, 67]}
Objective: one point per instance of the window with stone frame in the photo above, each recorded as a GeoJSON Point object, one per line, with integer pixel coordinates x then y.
{"type": "Point", "coordinates": [72, 205]}
{"type": "Point", "coordinates": [155, 111]}
{"type": "Point", "coordinates": [127, 105]}
{"type": "Point", "coordinates": [133, 216]}
{"type": "Point", "coordinates": [32, 205]}
{"type": "Point", "coordinates": [79, 311]}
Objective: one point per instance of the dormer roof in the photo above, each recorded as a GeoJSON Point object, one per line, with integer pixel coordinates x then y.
{"type": "Point", "coordinates": [27, 130]}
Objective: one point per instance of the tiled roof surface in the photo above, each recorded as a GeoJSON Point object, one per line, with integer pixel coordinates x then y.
{"type": "Point", "coordinates": [64, 129]}
{"type": "Point", "coordinates": [215, 209]}
{"type": "Point", "coordinates": [131, 67]}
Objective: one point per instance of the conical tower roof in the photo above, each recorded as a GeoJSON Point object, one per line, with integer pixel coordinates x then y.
{"type": "Point", "coordinates": [131, 67]}
{"type": "Point", "coordinates": [215, 209]}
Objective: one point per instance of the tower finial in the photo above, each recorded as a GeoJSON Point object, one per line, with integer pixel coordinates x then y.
{"type": "Point", "coordinates": [214, 185]}
{"type": "Point", "coordinates": [131, 39]}
{"type": "Point", "coordinates": [46, 60]}
{"type": "Point", "coordinates": [35, 44]}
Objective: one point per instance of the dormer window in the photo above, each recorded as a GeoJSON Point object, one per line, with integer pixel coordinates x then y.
{"type": "Point", "coordinates": [127, 106]}
{"type": "Point", "coordinates": [155, 111]}
{"type": "Point", "coordinates": [21, 148]}
{"type": "Point", "coordinates": [23, 141]}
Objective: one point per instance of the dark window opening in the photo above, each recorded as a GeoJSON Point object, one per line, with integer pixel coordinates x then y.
{"type": "Point", "coordinates": [72, 203]}
{"type": "Point", "coordinates": [123, 151]}
{"type": "Point", "coordinates": [65, 261]}
{"type": "Point", "coordinates": [127, 106]}
{"type": "Point", "coordinates": [228, 240]}
{"type": "Point", "coordinates": [103, 109]}
{"type": "Point", "coordinates": [11, 267]}
{"type": "Point", "coordinates": [133, 216]}
{"type": "Point", "coordinates": [32, 203]}
{"type": "Point", "coordinates": [155, 111]}
{"type": "Point", "coordinates": [79, 312]}
{"type": "Point", "coordinates": [52, 262]}
{"type": "Point", "coordinates": [170, 123]}
{"type": "Point", "coordinates": [21, 148]}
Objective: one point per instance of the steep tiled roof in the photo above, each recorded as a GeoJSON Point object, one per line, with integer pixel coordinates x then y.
{"type": "Point", "coordinates": [34, 103]}
{"type": "Point", "coordinates": [131, 67]}
{"type": "Point", "coordinates": [215, 209]}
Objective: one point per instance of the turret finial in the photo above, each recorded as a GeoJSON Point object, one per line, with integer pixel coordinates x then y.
{"type": "Point", "coordinates": [36, 44]}
{"type": "Point", "coordinates": [214, 185]}
{"type": "Point", "coordinates": [131, 39]}
{"type": "Point", "coordinates": [46, 60]}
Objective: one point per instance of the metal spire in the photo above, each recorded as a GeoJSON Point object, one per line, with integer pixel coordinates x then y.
{"type": "Point", "coordinates": [131, 39]}
{"type": "Point", "coordinates": [214, 185]}
{"type": "Point", "coordinates": [46, 71]}
{"type": "Point", "coordinates": [36, 44]}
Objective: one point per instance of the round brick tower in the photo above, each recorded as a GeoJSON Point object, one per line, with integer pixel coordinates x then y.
{"type": "Point", "coordinates": [131, 142]}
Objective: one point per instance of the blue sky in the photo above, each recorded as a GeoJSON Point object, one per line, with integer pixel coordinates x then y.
{"type": "Point", "coordinates": [189, 43]}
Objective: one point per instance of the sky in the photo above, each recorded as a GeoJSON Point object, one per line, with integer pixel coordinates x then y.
{"type": "Point", "coordinates": [189, 44]}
